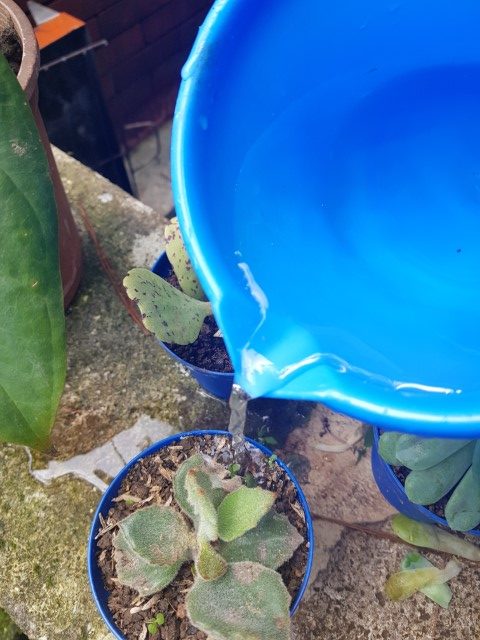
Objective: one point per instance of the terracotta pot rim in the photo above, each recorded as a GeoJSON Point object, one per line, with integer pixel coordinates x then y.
{"type": "Point", "coordinates": [29, 67]}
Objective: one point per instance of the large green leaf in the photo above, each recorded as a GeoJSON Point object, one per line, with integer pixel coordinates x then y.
{"type": "Point", "coordinates": [32, 324]}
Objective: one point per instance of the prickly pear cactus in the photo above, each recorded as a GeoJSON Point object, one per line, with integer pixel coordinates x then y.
{"type": "Point", "coordinates": [178, 257]}
{"type": "Point", "coordinates": [250, 602]}
{"type": "Point", "coordinates": [271, 543]}
{"type": "Point", "coordinates": [172, 316]}
{"type": "Point", "coordinates": [242, 510]}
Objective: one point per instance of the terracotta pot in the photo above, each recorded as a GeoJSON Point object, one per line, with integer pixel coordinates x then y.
{"type": "Point", "coordinates": [69, 238]}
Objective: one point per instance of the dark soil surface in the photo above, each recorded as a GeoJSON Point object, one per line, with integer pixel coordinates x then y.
{"type": "Point", "coordinates": [439, 507]}
{"type": "Point", "coordinates": [150, 482]}
{"type": "Point", "coordinates": [11, 47]}
{"type": "Point", "coordinates": [208, 351]}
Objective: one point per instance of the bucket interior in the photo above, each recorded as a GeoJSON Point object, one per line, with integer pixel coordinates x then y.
{"type": "Point", "coordinates": [327, 176]}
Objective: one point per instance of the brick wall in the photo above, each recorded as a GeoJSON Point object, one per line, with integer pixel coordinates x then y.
{"type": "Point", "coordinates": [149, 41]}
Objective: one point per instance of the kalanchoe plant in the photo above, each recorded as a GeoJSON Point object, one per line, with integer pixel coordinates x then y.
{"type": "Point", "coordinates": [172, 315]}
{"type": "Point", "coordinates": [436, 467]}
{"type": "Point", "coordinates": [237, 541]}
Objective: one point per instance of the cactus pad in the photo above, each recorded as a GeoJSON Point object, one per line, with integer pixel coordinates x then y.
{"type": "Point", "coordinates": [178, 257]}
{"type": "Point", "coordinates": [169, 314]}
{"type": "Point", "coordinates": [242, 510]}
{"type": "Point", "coordinates": [271, 543]}
{"type": "Point", "coordinates": [250, 602]}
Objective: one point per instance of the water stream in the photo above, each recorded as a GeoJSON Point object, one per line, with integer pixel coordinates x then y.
{"type": "Point", "coordinates": [238, 405]}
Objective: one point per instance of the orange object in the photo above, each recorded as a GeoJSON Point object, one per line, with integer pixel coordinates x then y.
{"type": "Point", "coordinates": [56, 28]}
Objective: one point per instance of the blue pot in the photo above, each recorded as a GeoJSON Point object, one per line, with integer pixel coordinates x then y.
{"type": "Point", "coordinates": [394, 493]}
{"type": "Point", "coordinates": [215, 382]}
{"type": "Point", "coordinates": [100, 594]}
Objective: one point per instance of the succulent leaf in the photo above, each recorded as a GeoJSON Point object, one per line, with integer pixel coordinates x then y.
{"type": "Point", "coordinates": [157, 534]}
{"type": "Point", "coordinates": [440, 593]}
{"type": "Point", "coordinates": [210, 564]}
{"type": "Point", "coordinates": [242, 510]}
{"type": "Point", "coordinates": [271, 543]}
{"type": "Point", "coordinates": [199, 492]}
{"type": "Point", "coordinates": [250, 602]}
{"type": "Point", "coordinates": [429, 485]}
{"type": "Point", "coordinates": [180, 491]}
{"type": "Point", "coordinates": [431, 537]}
{"type": "Point", "coordinates": [181, 264]}
{"type": "Point", "coordinates": [167, 312]}
{"type": "Point", "coordinates": [387, 445]}
{"type": "Point", "coordinates": [422, 453]}
{"type": "Point", "coordinates": [139, 574]}
{"type": "Point", "coordinates": [462, 511]}
{"type": "Point", "coordinates": [404, 584]}
{"type": "Point", "coordinates": [476, 461]}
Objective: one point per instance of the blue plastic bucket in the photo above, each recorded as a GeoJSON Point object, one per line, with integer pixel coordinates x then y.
{"type": "Point", "coordinates": [100, 594]}
{"type": "Point", "coordinates": [394, 492]}
{"type": "Point", "coordinates": [344, 136]}
{"type": "Point", "coordinates": [217, 383]}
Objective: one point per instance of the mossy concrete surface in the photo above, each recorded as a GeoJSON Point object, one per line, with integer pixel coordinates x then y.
{"type": "Point", "coordinates": [44, 532]}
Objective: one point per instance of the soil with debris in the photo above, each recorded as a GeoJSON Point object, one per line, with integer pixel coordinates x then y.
{"type": "Point", "coordinates": [150, 482]}
{"type": "Point", "coordinates": [11, 47]}
{"type": "Point", "coordinates": [439, 507]}
{"type": "Point", "coordinates": [208, 351]}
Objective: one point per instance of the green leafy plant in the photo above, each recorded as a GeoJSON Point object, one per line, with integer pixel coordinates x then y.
{"type": "Point", "coordinates": [32, 324]}
{"type": "Point", "coordinates": [156, 622]}
{"type": "Point", "coordinates": [438, 466]}
{"type": "Point", "coordinates": [172, 315]}
{"type": "Point", "coordinates": [237, 541]}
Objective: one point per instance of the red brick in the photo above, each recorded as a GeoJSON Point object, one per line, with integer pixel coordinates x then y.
{"type": "Point", "coordinates": [130, 100]}
{"type": "Point", "coordinates": [83, 9]}
{"type": "Point", "coordinates": [120, 17]}
{"type": "Point", "coordinates": [146, 61]}
{"type": "Point", "coordinates": [167, 18]}
{"type": "Point", "coordinates": [120, 48]}
{"type": "Point", "coordinates": [168, 73]}
{"type": "Point", "coordinates": [108, 89]}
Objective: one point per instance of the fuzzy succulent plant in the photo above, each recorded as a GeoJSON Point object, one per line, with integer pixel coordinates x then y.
{"type": "Point", "coordinates": [172, 315]}
{"type": "Point", "coordinates": [236, 540]}
{"type": "Point", "coordinates": [438, 466]}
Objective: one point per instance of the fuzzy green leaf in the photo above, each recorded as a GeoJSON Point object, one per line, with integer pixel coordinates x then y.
{"type": "Point", "coordinates": [32, 323]}
{"type": "Point", "coordinates": [387, 445]}
{"type": "Point", "coordinates": [139, 574]}
{"type": "Point", "coordinates": [199, 492]}
{"type": "Point", "coordinates": [431, 537]}
{"type": "Point", "coordinates": [439, 593]}
{"type": "Point", "coordinates": [167, 312]}
{"type": "Point", "coordinates": [250, 602]}
{"type": "Point", "coordinates": [422, 453]}
{"type": "Point", "coordinates": [462, 510]}
{"type": "Point", "coordinates": [271, 543]}
{"type": "Point", "coordinates": [430, 485]}
{"type": "Point", "coordinates": [194, 462]}
{"type": "Point", "coordinates": [181, 264]}
{"type": "Point", "coordinates": [242, 510]}
{"type": "Point", "coordinates": [404, 584]}
{"type": "Point", "coordinates": [210, 565]}
{"type": "Point", "coordinates": [158, 534]}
